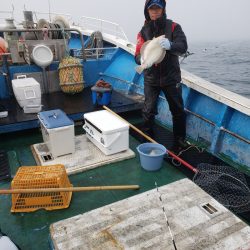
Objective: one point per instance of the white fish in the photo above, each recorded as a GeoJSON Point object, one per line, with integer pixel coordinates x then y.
{"type": "Point", "coordinates": [151, 53]}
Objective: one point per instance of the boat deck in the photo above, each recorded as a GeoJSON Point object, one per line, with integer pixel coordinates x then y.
{"type": "Point", "coordinates": [26, 228]}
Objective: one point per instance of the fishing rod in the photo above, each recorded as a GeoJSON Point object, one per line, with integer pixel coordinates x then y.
{"type": "Point", "coordinates": [185, 56]}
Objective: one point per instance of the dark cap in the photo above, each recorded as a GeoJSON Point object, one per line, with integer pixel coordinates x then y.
{"type": "Point", "coordinates": [158, 3]}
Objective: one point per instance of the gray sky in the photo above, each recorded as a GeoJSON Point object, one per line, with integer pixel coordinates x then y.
{"type": "Point", "coordinates": [201, 20]}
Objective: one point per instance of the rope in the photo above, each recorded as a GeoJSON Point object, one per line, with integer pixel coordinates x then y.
{"type": "Point", "coordinates": [178, 163]}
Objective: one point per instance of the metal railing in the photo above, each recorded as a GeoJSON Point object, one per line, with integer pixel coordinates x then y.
{"type": "Point", "coordinates": [95, 53]}
{"type": "Point", "coordinates": [103, 26]}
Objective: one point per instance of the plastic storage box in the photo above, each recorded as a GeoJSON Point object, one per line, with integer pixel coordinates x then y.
{"type": "Point", "coordinates": [28, 93]}
{"type": "Point", "coordinates": [101, 96]}
{"type": "Point", "coordinates": [109, 133]}
{"type": "Point", "coordinates": [58, 132]}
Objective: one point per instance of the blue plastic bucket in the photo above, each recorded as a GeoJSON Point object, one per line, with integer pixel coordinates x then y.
{"type": "Point", "coordinates": [101, 96]}
{"type": "Point", "coordinates": [151, 155]}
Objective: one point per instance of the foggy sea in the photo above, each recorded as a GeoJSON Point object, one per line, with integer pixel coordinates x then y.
{"type": "Point", "coordinates": [226, 64]}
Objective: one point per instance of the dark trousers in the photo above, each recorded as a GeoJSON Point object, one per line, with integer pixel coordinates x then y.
{"type": "Point", "coordinates": [175, 102]}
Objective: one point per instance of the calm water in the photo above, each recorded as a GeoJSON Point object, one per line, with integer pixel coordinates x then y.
{"type": "Point", "coordinates": [226, 64]}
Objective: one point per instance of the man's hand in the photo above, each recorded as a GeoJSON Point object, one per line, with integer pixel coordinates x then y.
{"type": "Point", "coordinates": [165, 44]}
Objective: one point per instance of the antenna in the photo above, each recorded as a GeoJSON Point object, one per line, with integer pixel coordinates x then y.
{"type": "Point", "coordinates": [12, 11]}
{"type": "Point", "coordinates": [49, 10]}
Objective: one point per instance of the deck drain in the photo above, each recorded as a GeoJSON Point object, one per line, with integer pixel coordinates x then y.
{"type": "Point", "coordinates": [209, 208]}
{"type": "Point", "coordinates": [4, 166]}
{"type": "Point", "coordinates": [47, 157]}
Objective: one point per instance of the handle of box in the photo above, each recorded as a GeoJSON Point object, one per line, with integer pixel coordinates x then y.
{"type": "Point", "coordinates": [33, 106]}
{"type": "Point", "coordinates": [114, 139]}
{"type": "Point", "coordinates": [21, 76]}
{"type": "Point", "coordinates": [86, 128]}
{"type": "Point", "coordinates": [29, 90]}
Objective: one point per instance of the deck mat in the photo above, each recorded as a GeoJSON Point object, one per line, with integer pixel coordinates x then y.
{"type": "Point", "coordinates": [86, 156]}
{"type": "Point", "coordinates": [138, 223]}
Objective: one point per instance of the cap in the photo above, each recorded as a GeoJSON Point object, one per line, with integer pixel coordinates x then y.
{"type": "Point", "coordinates": [155, 2]}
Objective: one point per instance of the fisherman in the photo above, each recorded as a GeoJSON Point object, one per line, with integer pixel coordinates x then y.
{"type": "Point", "coordinates": [165, 76]}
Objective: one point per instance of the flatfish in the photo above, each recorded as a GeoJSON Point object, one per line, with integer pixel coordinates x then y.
{"type": "Point", "coordinates": [151, 53]}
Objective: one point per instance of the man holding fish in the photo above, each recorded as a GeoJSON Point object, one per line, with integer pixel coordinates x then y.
{"type": "Point", "coordinates": [159, 44]}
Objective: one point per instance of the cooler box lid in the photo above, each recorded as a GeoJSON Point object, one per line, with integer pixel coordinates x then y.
{"type": "Point", "coordinates": [105, 121]}
{"type": "Point", "coordinates": [24, 82]}
{"type": "Point", "coordinates": [54, 119]}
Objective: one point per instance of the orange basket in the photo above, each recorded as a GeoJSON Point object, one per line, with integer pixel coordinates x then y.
{"type": "Point", "coordinates": [36, 177]}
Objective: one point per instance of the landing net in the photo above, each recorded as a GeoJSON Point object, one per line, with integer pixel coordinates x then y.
{"type": "Point", "coordinates": [226, 184]}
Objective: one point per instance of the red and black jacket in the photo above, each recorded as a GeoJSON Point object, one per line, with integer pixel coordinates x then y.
{"type": "Point", "coordinates": [168, 71]}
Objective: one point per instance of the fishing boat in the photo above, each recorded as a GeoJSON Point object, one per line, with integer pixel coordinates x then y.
{"type": "Point", "coordinates": [217, 122]}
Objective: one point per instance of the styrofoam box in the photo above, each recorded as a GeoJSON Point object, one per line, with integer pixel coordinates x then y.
{"type": "Point", "coordinates": [58, 132]}
{"type": "Point", "coordinates": [108, 132]}
{"type": "Point", "coordinates": [27, 91]}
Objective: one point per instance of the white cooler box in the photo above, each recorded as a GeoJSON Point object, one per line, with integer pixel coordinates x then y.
{"type": "Point", "coordinates": [58, 132]}
{"type": "Point", "coordinates": [28, 93]}
{"type": "Point", "coordinates": [109, 133]}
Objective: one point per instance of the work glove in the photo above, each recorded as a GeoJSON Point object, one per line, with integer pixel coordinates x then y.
{"type": "Point", "coordinates": [165, 44]}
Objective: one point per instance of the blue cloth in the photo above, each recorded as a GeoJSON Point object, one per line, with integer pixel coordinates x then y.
{"type": "Point", "coordinates": [156, 2]}
{"type": "Point", "coordinates": [165, 44]}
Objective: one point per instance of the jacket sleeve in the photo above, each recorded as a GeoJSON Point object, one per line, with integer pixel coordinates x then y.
{"type": "Point", "coordinates": [179, 44]}
{"type": "Point", "coordinates": [139, 43]}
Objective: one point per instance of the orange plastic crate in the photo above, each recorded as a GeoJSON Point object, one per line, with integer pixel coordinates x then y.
{"type": "Point", "coordinates": [36, 177]}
